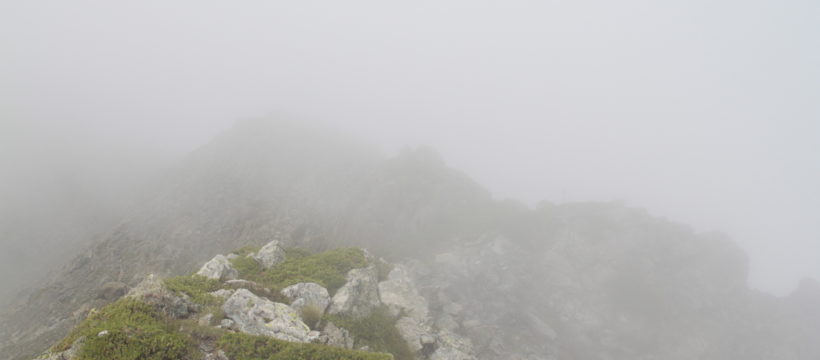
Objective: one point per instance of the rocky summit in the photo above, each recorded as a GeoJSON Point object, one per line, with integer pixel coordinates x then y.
{"type": "Point", "coordinates": [329, 251]}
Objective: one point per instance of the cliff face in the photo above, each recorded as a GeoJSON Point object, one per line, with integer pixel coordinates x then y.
{"type": "Point", "coordinates": [585, 281]}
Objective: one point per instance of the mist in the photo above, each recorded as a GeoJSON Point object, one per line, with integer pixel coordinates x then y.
{"type": "Point", "coordinates": [703, 112]}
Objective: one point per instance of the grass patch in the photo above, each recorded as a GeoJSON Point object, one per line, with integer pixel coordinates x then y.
{"type": "Point", "coordinates": [377, 331]}
{"type": "Point", "coordinates": [197, 287]}
{"type": "Point", "coordinates": [328, 269]}
{"type": "Point", "coordinates": [136, 331]}
{"type": "Point", "coordinates": [247, 347]}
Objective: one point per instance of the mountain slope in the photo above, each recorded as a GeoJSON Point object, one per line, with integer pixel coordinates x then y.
{"type": "Point", "coordinates": [578, 281]}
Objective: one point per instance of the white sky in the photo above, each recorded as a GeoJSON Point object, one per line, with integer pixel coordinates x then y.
{"type": "Point", "coordinates": [707, 112]}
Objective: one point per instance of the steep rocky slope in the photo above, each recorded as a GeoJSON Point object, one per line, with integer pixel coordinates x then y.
{"type": "Point", "coordinates": [576, 281]}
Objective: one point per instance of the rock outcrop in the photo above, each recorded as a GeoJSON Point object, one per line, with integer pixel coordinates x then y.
{"type": "Point", "coordinates": [259, 316]}
{"type": "Point", "coordinates": [359, 295]}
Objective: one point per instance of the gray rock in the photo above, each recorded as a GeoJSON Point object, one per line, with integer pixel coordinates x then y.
{"type": "Point", "coordinates": [335, 336]}
{"type": "Point", "coordinates": [258, 316]}
{"type": "Point", "coordinates": [399, 293]}
{"type": "Point", "coordinates": [359, 296]}
{"type": "Point", "coordinates": [269, 255]}
{"type": "Point", "coordinates": [302, 295]}
{"type": "Point", "coordinates": [218, 268]}
{"type": "Point", "coordinates": [414, 333]}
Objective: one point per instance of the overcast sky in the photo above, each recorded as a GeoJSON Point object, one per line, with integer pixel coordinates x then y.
{"type": "Point", "coordinates": [706, 112]}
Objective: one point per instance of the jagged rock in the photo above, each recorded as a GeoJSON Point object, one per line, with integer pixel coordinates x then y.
{"type": "Point", "coordinates": [269, 255]}
{"type": "Point", "coordinates": [307, 294]}
{"type": "Point", "coordinates": [399, 294]}
{"type": "Point", "coordinates": [359, 295]}
{"type": "Point", "coordinates": [335, 336]}
{"type": "Point", "coordinates": [218, 268]}
{"type": "Point", "coordinates": [258, 316]}
{"type": "Point", "coordinates": [153, 291]}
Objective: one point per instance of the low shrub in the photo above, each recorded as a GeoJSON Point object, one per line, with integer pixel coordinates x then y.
{"type": "Point", "coordinates": [135, 330]}
{"type": "Point", "coordinates": [376, 331]}
{"type": "Point", "coordinates": [328, 269]}
{"type": "Point", "coordinates": [238, 346]}
{"type": "Point", "coordinates": [197, 287]}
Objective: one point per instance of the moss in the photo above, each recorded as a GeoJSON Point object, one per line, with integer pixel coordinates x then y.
{"type": "Point", "coordinates": [247, 347]}
{"type": "Point", "coordinates": [197, 287]}
{"type": "Point", "coordinates": [136, 330]}
{"type": "Point", "coordinates": [328, 269]}
{"type": "Point", "coordinates": [377, 331]}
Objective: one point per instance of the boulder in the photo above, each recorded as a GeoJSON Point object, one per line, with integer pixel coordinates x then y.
{"type": "Point", "coordinates": [259, 316]}
{"type": "Point", "coordinates": [307, 294]}
{"type": "Point", "coordinates": [359, 295]}
{"type": "Point", "coordinates": [218, 268]}
{"type": "Point", "coordinates": [153, 291]}
{"type": "Point", "coordinates": [269, 255]}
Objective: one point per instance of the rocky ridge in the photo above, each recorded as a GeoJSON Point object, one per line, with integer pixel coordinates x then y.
{"type": "Point", "coordinates": [244, 309]}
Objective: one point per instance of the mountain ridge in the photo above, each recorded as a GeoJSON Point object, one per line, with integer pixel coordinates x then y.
{"type": "Point", "coordinates": [554, 281]}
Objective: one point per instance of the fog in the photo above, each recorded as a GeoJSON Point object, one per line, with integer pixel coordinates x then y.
{"type": "Point", "coordinates": [700, 111]}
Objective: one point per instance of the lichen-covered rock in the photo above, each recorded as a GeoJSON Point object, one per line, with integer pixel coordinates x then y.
{"type": "Point", "coordinates": [218, 268]}
{"type": "Point", "coordinates": [153, 291]}
{"type": "Point", "coordinates": [302, 295]}
{"type": "Point", "coordinates": [269, 255]}
{"type": "Point", "coordinates": [359, 295]}
{"type": "Point", "coordinates": [335, 336]}
{"type": "Point", "coordinates": [259, 316]}
{"type": "Point", "coordinates": [400, 295]}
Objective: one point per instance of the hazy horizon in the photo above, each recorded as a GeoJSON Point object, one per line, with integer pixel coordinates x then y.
{"type": "Point", "coordinates": [702, 112]}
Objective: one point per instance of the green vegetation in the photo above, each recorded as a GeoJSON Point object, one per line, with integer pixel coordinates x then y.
{"type": "Point", "coordinates": [247, 347]}
{"type": "Point", "coordinates": [136, 330]}
{"type": "Point", "coordinates": [197, 287]}
{"type": "Point", "coordinates": [376, 331]}
{"type": "Point", "coordinates": [328, 269]}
